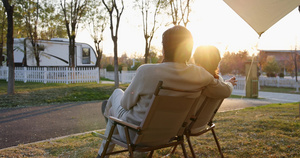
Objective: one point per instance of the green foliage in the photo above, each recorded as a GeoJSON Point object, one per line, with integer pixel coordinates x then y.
{"type": "Point", "coordinates": [271, 67]}
{"type": "Point", "coordinates": [109, 67]}
{"type": "Point", "coordinates": [136, 66]}
{"type": "Point", "coordinates": [233, 63]}
{"type": "Point", "coordinates": [281, 75]}
{"type": "Point", "coordinates": [50, 22]}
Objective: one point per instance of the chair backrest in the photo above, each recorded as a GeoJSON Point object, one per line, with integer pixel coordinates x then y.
{"type": "Point", "coordinates": [167, 115]}
{"type": "Point", "coordinates": [205, 112]}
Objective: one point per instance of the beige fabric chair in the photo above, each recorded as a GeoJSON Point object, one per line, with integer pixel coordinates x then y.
{"type": "Point", "coordinates": [202, 121]}
{"type": "Point", "coordinates": [164, 125]}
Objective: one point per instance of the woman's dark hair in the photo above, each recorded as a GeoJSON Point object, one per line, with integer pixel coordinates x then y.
{"type": "Point", "coordinates": [177, 44]}
{"type": "Point", "coordinates": [208, 57]}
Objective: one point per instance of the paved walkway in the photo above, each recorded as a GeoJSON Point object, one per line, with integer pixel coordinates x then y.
{"type": "Point", "coordinates": [264, 99]}
{"type": "Point", "coordinates": [277, 97]}
{"type": "Point", "coordinates": [31, 124]}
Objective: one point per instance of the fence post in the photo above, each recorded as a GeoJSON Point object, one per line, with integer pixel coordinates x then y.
{"type": "Point", "coordinates": [98, 74]}
{"type": "Point", "coordinates": [277, 81]}
{"type": "Point", "coordinates": [25, 74]}
{"type": "Point", "coordinates": [45, 75]}
{"type": "Point", "coordinates": [6, 73]}
{"type": "Point", "coordinates": [67, 76]}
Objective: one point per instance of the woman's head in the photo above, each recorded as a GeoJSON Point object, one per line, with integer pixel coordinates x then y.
{"type": "Point", "coordinates": [208, 57]}
{"type": "Point", "coordinates": [177, 44]}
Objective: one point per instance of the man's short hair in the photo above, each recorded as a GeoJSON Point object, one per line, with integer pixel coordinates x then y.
{"type": "Point", "coordinates": [177, 44]}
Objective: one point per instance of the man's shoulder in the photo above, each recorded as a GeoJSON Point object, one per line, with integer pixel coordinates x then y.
{"type": "Point", "coordinates": [148, 66]}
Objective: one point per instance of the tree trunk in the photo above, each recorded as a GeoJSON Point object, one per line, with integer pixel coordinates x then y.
{"type": "Point", "coordinates": [116, 68]}
{"type": "Point", "coordinates": [72, 51]}
{"type": "Point", "coordinates": [99, 53]}
{"type": "Point", "coordinates": [296, 66]}
{"type": "Point", "coordinates": [1, 53]}
{"type": "Point", "coordinates": [296, 72]}
{"type": "Point", "coordinates": [10, 44]}
{"type": "Point", "coordinates": [37, 58]}
{"type": "Point", "coordinates": [1, 42]}
{"type": "Point", "coordinates": [98, 64]}
{"type": "Point", "coordinates": [146, 51]}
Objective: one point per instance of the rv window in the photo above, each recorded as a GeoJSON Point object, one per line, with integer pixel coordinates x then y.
{"type": "Point", "coordinates": [86, 56]}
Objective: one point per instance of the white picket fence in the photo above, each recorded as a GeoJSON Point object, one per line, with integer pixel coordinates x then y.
{"type": "Point", "coordinates": [53, 74]}
{"type": "Point", "coordinates": [91, 74]}
{"type": "Point", "coordinates": [267, 81]}
{"type": "Point", "coordinates": [64, 74]}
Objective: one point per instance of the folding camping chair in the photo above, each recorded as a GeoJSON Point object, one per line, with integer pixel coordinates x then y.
{"type": "Point", "coordinates": [163, 126]}
{"type": "Point", "coordinates": [202, 121]}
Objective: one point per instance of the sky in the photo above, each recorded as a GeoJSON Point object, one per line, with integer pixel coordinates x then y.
{"type": "Point", "coordinates": [211, 22]}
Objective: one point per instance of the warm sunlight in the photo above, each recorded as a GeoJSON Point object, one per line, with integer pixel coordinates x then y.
{"type": "Point", "coordinates": [211, 22]}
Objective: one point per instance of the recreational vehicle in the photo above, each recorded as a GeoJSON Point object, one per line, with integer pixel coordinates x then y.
{"type": "Point", "coordinates": [54, 52]}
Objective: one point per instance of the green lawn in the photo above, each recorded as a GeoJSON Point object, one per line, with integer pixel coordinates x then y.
{"type": "Point", "coordinates": [270, 131]}
{"type": "Point", "coordinates": [279, 90]}
{"type": "Point", "coordinates": [33, 94]}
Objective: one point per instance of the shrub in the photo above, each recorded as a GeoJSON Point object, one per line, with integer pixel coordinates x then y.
{"type": "Point", "coordinates": [281, 75]}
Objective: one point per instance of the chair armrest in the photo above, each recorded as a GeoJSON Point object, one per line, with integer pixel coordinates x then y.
{"type": "Point", "coordinates": [124, 123]}
{"type": "Point", "coordinates": [99, 135]}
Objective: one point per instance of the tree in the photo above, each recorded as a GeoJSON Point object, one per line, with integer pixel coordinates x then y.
{"type": "Point", "coordinates": [35, 19]}
{"type": "Point", "coordinates": [10, 46]}
{"type": "Point", "coordinates": [180, 11]}
{"type": "Point", "coordinates": [51, 22]}
{"type": "Point", "coordinates": [30, 11]}
{"type": "Point", "coordinates": [271, 67]}
{"type": "Point", "coordinates": [115, 14]}
{"type": "Point", "coordinates": [96, 22]}
{"type": "Point", "coordinates": [290, 62]}
{"type": "Point", "coordinates": [225, 64]}
{"type": "Point", "coordinates": [2, 31]}
{"type": "Point", "coordinates": [73, 11]}
{"type": "Point", "coordinates": [233, 63]}
{"type": "Point", "coordinates": [149, 28]}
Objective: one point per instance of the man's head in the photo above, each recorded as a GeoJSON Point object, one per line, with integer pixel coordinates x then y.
{"type": "Point", "coordinates": [177, 44]}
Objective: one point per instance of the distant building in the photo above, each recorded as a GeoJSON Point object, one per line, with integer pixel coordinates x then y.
{"type": "Point", "coordinates": [285, 58]}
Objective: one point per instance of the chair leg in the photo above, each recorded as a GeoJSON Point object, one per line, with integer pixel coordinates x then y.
{"type": "Point", "coordinates": [183, 150]}
{"type": "Point", "coordinates": [150, 154]}
{"type": "Point", "coordinates": [129, 146]}
{"type": "Point", "coordinates": [108, 140]}
{"type": "Point", "coordinates": [217, 142]}
{"type": "Point", "coordinates": [173, 151]}
{"type": "Point", "coordinates": [191, 146]}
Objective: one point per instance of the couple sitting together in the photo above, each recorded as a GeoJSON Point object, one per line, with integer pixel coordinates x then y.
{"type": "Point", "coordinates": [131, 105]}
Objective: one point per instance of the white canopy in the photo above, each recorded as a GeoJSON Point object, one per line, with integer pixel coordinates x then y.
{"type": "Point", "coordinates": [262, 14]}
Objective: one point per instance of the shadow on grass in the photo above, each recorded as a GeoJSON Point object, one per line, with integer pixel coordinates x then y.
{"type": "Point", "coordinates": [264, 131]}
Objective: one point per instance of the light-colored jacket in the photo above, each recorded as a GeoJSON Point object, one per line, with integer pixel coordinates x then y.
{"type": "Point", "coordinates": [138, 94]}
{"type": "Point", "coordinates": [207, 110]}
